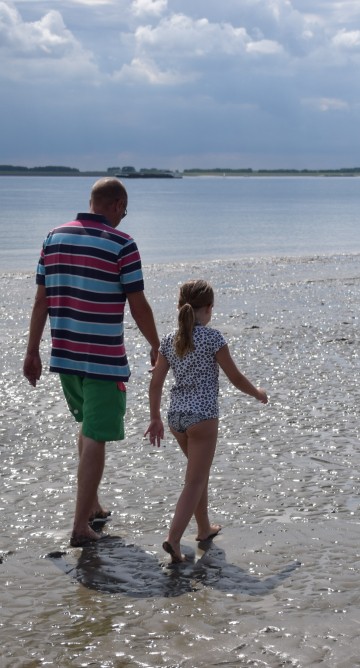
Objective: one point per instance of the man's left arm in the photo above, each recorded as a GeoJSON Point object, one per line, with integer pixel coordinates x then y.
{"type": "Point", "coordinates": [141, 311]}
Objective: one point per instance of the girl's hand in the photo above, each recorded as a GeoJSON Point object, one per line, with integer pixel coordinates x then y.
{"type": "Point", "coordinates": [262, 396]}
{"type": "Point", "coordinates": [155, 431]}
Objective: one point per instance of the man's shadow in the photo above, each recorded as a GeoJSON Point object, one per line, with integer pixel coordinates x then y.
{"type": "Point", "coordinates": [112, 566]}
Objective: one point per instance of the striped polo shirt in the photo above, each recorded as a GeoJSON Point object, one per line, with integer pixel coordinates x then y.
{"type": "Point", "coordinates": [87, 268]}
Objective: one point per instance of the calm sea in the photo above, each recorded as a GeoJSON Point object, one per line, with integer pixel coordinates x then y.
{"type": "Point", "coordinates": [192, 218]}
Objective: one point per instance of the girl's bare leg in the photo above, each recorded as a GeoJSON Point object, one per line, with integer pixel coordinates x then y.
{"type": "Point", "coordinates": [205, 529]}
{"type": "Point", "coordinates": [198, 445]}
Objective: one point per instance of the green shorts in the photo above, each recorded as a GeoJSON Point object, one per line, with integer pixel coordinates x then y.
{"type": "Point", "coordinates": [99, 404]}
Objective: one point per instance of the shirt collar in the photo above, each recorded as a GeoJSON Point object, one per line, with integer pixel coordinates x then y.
{"type": "Point", "coordinates": [95, 217]}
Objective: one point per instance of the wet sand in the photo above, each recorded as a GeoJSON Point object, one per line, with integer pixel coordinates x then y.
{"type": "Point", "coordinates": [279, 585]}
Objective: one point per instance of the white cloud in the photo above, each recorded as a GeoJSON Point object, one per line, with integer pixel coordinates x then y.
{"type": "Point", "coordinates": [347, 39]}
{"type": "Point", "coordinates": [93, 3]}
{"type": "Point", "coordinates": [265, 47]}
{"type": "Point", "coordinates": [149, 7]}
{"type": "Point", "coordinates": [35, 48]}
{"type": "Point", "coordinates": [147, 71]}
{"type": "Point", "coordinates": [325, 104]}
{"type": "Point", "coordinates": [180, 34]}
{"type": "Point", "coordinates": [345, 10]}
{"type": "Point", "coordinates": [49, 35]}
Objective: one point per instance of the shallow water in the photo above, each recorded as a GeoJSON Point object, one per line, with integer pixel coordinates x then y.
{"type": "Point", "coordinates": [191, 219]}
{"type": "Point", "coordinates": [279, 585]}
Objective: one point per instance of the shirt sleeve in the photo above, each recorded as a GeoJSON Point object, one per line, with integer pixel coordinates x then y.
{"type": "Point", "coordinates": [131, 274]}
{"type": "Point", "coordinates": [219, 340]}
{"type": "Point", "coordinates": [40, 271]}
{"type": "Point", "coordinates": [164, 346]}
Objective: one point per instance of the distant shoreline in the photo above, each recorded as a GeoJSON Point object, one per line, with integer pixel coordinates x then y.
{"type": "Point", "coordinates": [195, 172]}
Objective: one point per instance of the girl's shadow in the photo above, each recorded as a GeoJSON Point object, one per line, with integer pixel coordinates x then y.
{"type": "Point", "coordinates": [111, 566]}
{"type": "Point", "coordinates": [212, 570]}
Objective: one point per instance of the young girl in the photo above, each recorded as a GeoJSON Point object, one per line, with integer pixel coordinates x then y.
{"type": "Point", "coordinates": [194, 353]}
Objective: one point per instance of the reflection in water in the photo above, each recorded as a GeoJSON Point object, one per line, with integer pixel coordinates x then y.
{"type": "Point", "coordinates": [111, 566]}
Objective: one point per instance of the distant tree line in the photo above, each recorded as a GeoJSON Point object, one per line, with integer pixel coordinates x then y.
{"type": "Point", "coordinates": [219, 170]}
{"type": "Point", "coordinates": [249, 170]}
{"type": "Point", "coordinates": [48, 168]}
{"type": "Point", "coordinates": [128, 169]}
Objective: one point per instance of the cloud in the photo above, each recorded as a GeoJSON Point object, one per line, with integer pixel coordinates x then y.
{"type": "Point", "coordinates": [181, 34]}
{"type": "Point", "coordinates": [147, 71]}
{"type": "Point", "coordinates": [93, 3]}
{"type": "Point", "coordinates": [178, 50]}
{"type": "Point", "coordinates": [149, 7]}
{"type": "Point", "coordinates": [273, 78]}
{"type": "Point", "coordinates": [46, 36]}
{"type": "Point", "coordinates": [264, 46]}
{"type": "Point", "coordinates": [326, 104]}
{"type": "Point", "coordinates": [347, 39]}
{"type": "Point", "coordinates": [37, 47]}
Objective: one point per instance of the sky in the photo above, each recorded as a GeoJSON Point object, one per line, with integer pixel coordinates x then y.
{"type": "Point", "coordinates": [180, 84]}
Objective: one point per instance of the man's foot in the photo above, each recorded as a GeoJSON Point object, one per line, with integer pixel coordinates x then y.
{"type": "Point", "coordinates": [99, 516]}
{"type": "Point", "coordinates": [82, 538]}
{"type": "Point", "coordinates": [213, 531]}
{"type": "Point", "coordinates": [176, 557]}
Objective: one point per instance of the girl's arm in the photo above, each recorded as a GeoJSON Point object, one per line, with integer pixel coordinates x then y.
{"type": "Point", "coordinates": [235, 377]}
{"type": "Point", "coordinates": [156, 427]}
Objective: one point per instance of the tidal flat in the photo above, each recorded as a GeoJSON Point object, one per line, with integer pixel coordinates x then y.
{"type": "Point", "coordinates": [279, 586]}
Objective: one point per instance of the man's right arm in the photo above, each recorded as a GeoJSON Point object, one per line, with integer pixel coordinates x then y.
{"type": "Point", "coordinates": [32, 363]}
{"type": "Point", "coordinates": [142, 313]}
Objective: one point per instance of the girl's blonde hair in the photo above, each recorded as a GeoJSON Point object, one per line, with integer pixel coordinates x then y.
{"type": "Point", "coordinates": [193, 295]}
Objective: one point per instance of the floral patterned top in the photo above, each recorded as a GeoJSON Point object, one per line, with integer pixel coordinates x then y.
{"type": "Point", "coordinates": [197, 374]}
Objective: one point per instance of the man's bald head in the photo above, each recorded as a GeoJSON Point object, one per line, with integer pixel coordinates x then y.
{"type": "Point", "coordinates": [108, 190]}
{"type": "Point", "coordinates": [109, 198]}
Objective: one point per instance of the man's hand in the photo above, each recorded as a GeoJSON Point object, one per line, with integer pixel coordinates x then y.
{"type": "Point", "coordinates": [32, 368]}
{"type": "Point", "coordinates": [153, 356]}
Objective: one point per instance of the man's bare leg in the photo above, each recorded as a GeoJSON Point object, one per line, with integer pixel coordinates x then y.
{"type": "Point", "coordinates": [90, 470]}
{"type": "Point", "coordinates": [97, 508]}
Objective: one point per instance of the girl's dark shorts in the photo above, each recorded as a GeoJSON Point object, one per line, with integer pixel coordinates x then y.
{"type": "Point", "coordinates": [182, 421]}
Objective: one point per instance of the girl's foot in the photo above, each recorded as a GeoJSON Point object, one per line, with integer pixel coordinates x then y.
{"type": "Point", "coordinates": [176, 557]}
{"type": "Point", "coordinates": [213, 531]}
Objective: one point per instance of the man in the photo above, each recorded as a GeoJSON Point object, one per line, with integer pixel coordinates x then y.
{"type": "Point", "coordinates": [86, 272]}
